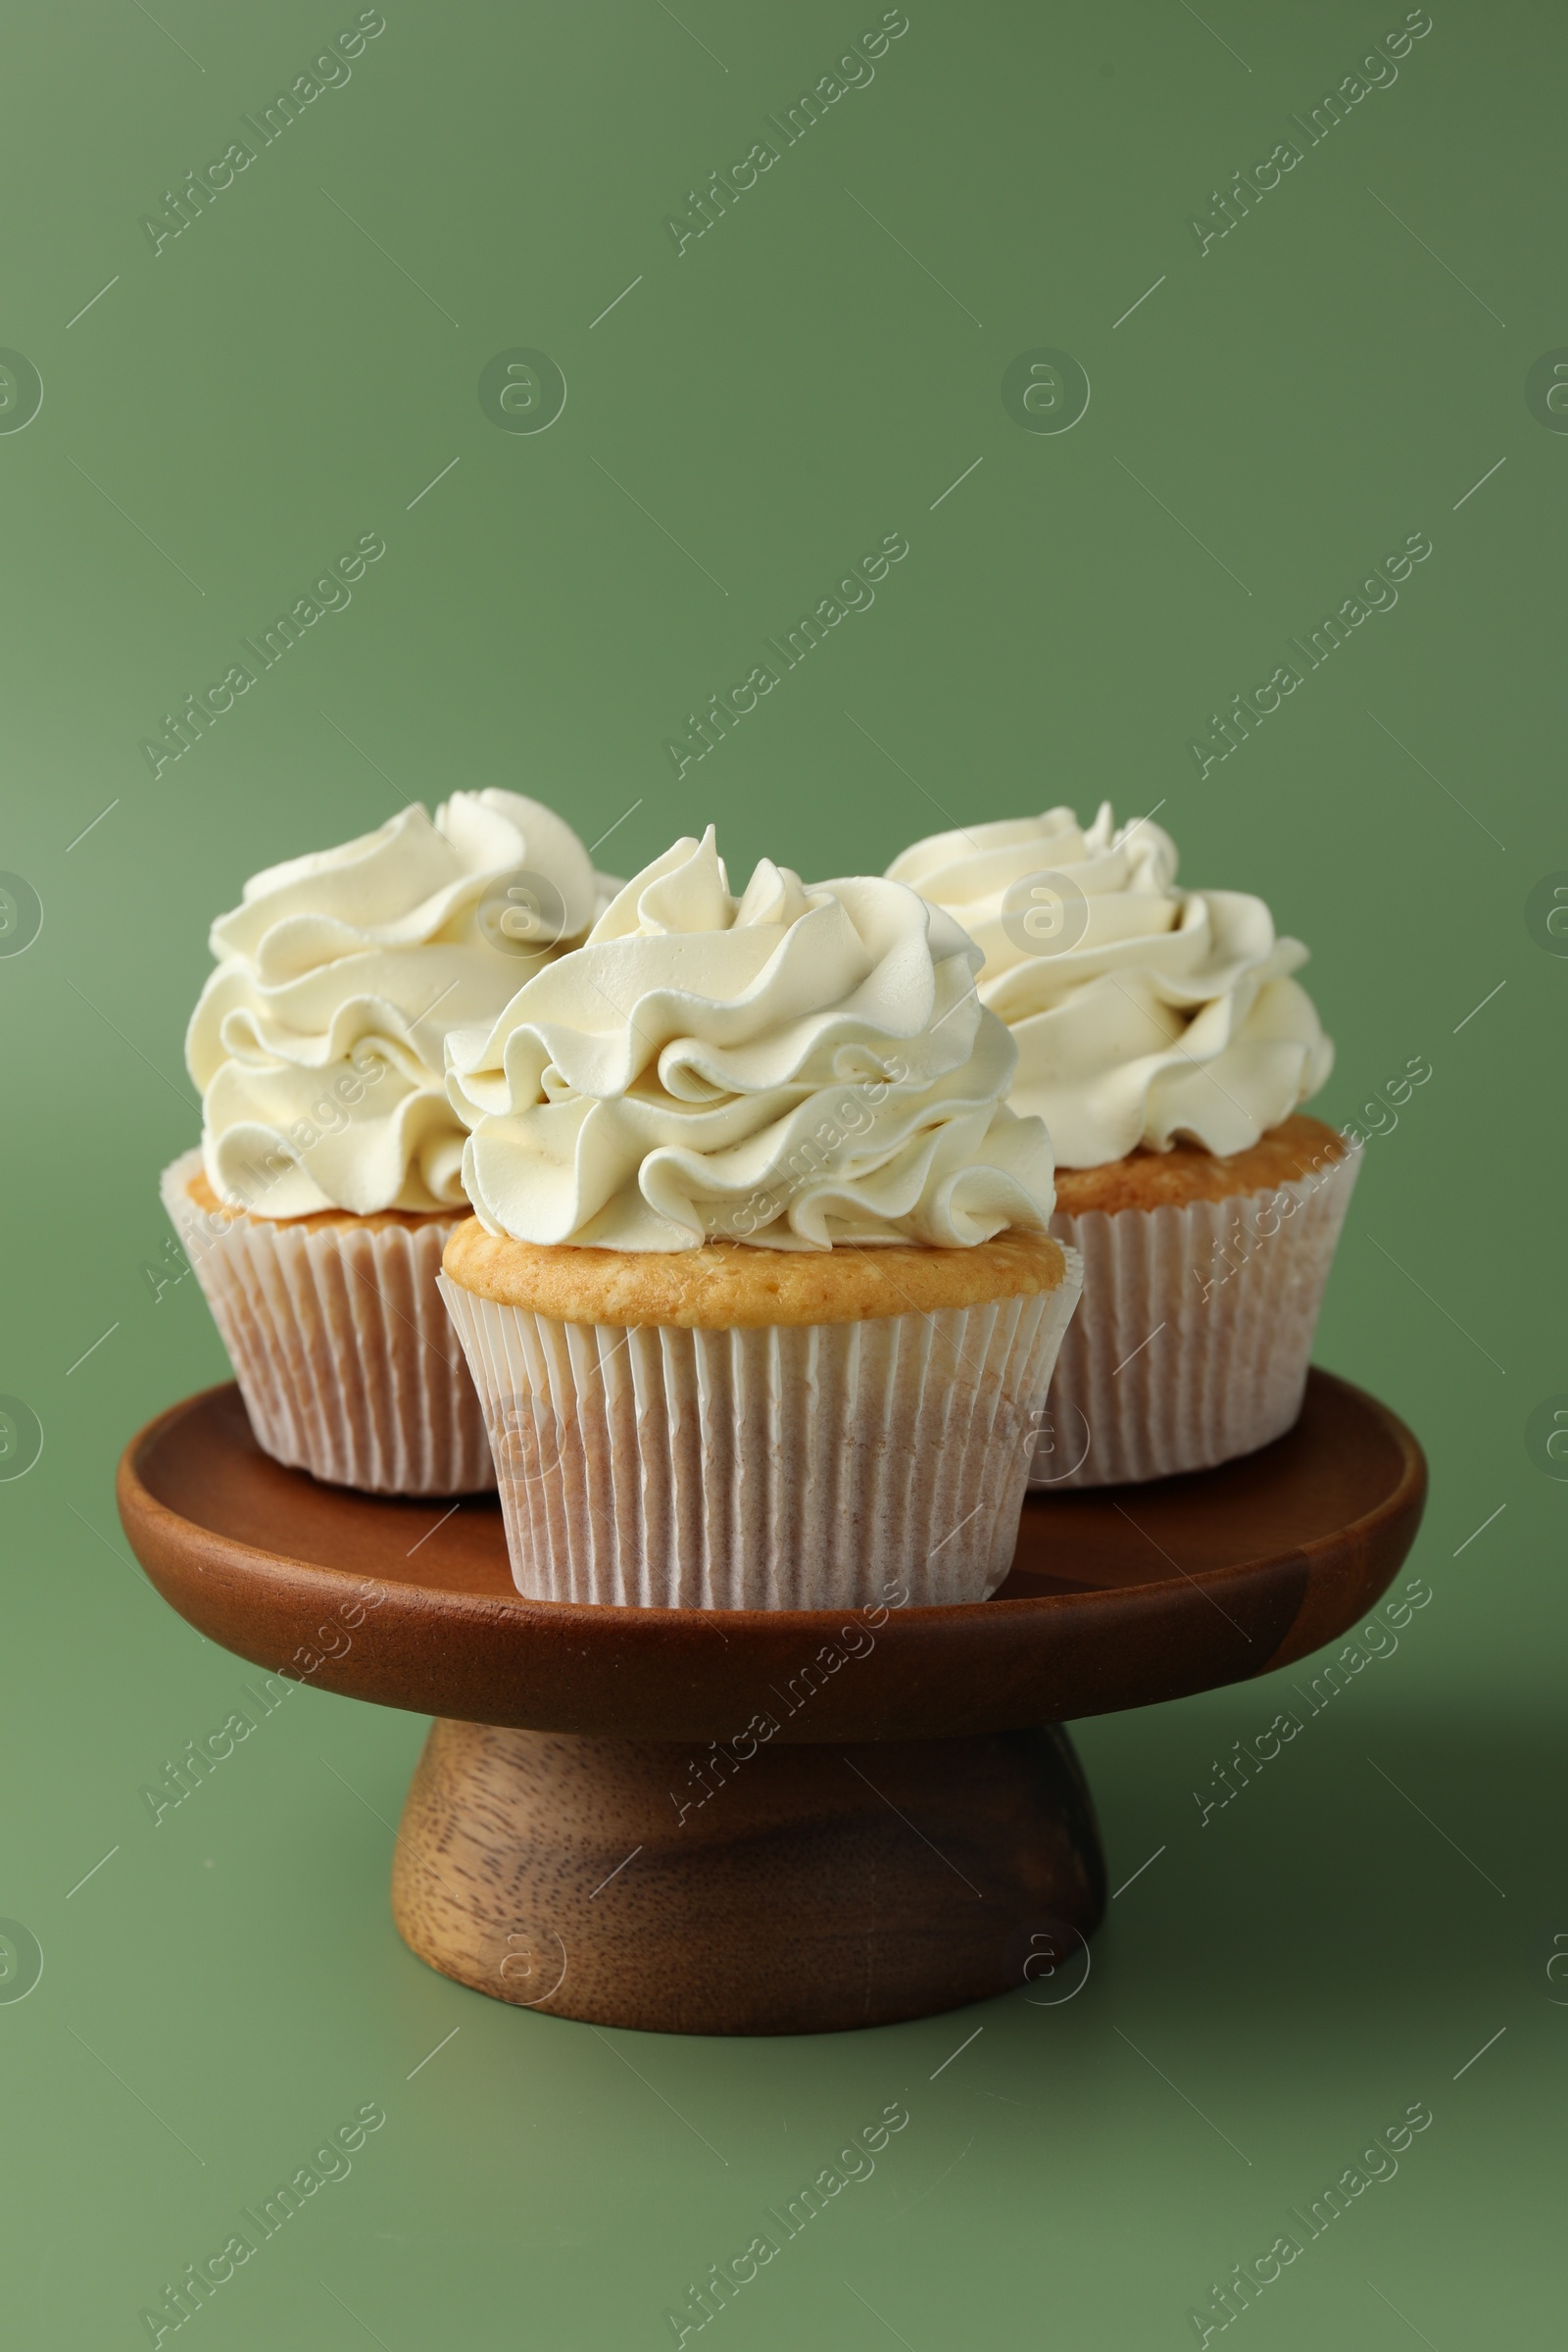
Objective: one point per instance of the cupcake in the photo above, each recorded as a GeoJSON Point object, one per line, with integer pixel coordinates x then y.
{"type": "Point", "coordinates": [329, 1174]}
{"type": "Point", "coordinates": [1166, 1045]}
{"type": "Point", "coordinates": [758, 1294]}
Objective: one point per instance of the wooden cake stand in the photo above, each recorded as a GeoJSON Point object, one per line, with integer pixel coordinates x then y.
{"type": "Point", "coordinates": [756, 1822]}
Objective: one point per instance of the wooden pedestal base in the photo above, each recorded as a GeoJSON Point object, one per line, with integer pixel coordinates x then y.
{"type": "Point", "coordinates": [815, 1888]}
{"type": "Point", "coordinates": [896, 1846]}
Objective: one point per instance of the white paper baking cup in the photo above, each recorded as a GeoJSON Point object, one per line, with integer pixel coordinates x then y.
{"type": "Point", "coordinates": [795, 1467]}
{"type": "Point", "coordinates": [1192, 1340]}
{"type": "Point", "coordinates": [340, 1344]}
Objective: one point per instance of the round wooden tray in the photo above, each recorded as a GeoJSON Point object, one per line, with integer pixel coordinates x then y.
{"type": "Point", "coordinates": [760, 1879]}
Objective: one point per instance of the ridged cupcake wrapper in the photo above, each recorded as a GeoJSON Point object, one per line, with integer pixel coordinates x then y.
{"type": "Point", "coordinates": [816, 1468]}
{"type": "Point", "coordinates": [1192, 1344]}
{"type": "Point", "coordinates": [341, 1345]}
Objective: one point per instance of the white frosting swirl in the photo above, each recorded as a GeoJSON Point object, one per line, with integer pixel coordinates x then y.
{"type": "Point", "coordinates": [802, 1066]}
{"type": "Point", "coordinates": [318, 1043]}
{"type": "Point", "coordinates": [1172, 1014]}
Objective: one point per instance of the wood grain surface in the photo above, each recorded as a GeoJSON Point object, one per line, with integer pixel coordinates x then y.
{"type": "Point", "coordinates": [810, 1889]}
{"type": "Point", "coordinates": [1118, 1597]}
{"type": "Point", "coordinates": [766, 1822]}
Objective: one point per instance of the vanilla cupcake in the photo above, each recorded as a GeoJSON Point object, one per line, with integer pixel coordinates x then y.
{"type": "Point", "coordinates": [329, 1174]}
{"type": "Point", "coordinates": [758, 1296]}
{"type": "Point", "coordinates": [1164, 1041]}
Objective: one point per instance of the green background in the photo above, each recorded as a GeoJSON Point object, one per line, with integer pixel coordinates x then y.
{"type": "Point", "coordinates": [753, 414]}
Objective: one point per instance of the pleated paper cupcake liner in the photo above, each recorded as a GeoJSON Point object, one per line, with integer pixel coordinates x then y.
{"type": "Point", "coordinates": [1192, 1344]}
{"type": "Point", "coordinates": [811, 1467]}
{"type": "Point", "coordinates": [340, 1344]}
